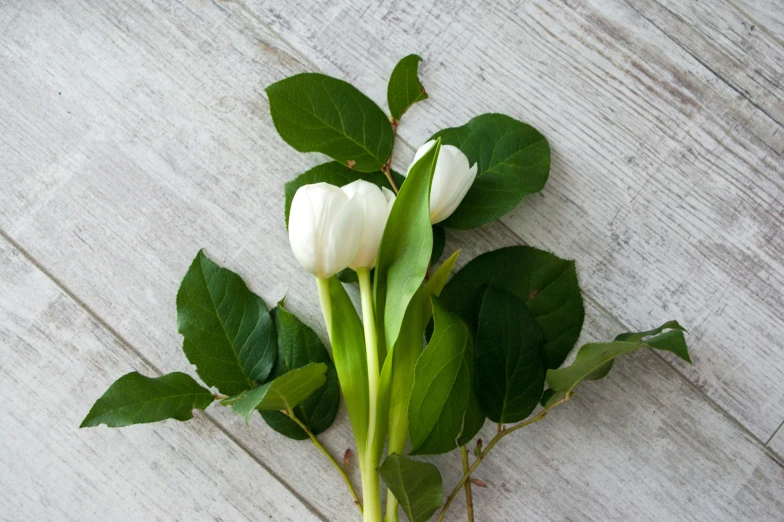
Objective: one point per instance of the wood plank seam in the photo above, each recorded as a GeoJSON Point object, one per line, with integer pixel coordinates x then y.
{"type": "Point", "coordinates": [137, 353]}
{"type": "Point", "coordinates": [702, 62]}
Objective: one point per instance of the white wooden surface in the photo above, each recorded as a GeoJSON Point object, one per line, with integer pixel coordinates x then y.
{"type": "Point", "coordinates": [132, 134]}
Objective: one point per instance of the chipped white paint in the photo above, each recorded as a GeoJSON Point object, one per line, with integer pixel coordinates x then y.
{"type": "Point", "coordinates": [132, 136]}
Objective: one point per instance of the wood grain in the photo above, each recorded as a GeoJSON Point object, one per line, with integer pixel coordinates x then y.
{"type": "Point", "coordinates": [666, 184]}
{"type": "Point", "coordinates": [149, 138]}
{"type": "Point", "coordinates": [56, 360]}
{"type": "Point", "coordinates": [727, 41]}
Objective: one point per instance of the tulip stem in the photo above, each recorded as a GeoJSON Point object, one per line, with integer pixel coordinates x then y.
{"type": "Point", "coordinates": [326, 302]}
{"type": "Point", "coordinates": [370, 482]}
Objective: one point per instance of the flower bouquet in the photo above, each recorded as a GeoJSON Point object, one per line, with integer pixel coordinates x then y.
{"type": "Point", "coordinates": [430, 358]}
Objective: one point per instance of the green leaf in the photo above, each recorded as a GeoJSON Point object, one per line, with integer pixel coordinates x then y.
{"type": "Point", "coordinates": [398, 370]}
{"type": "Point", "coordinates": [335, 174]}
{"type": "Point", "coordinates": [404, 253]}
{"type": "Point", "coordinates": [229, 335]}
{"type": "Point", "coordinates": [317, 113]}
{"type": "Point", "coordinates": [509, 363]}
{"type": "Point", "coordinates": [347, 275]}
{"type": "Point", "coordinates": [441, 381]}
{"type": "Point", "coordinates": [417, 485]}
{"type": "Point", "coordinates": [298, 345]}
{"type": "Point", "coordinates": [439, 242]}
{"type": "Point", "coordinates": [513, 161]}
{"type": "Point", "coordinates": [404, 88]}
{"type": "Point", "coordinates": [136, 399]}
{"type": "Point", "coordinates": [547, 284]}
{"type": "Point", "coordinates": [671, 341]}
{"type": "Point", "coordinates": [594, 360]}
{"type": "Point", "coordinates": [348, 352]}
{"type": "Point", "coordinates": [282, 393]}
{"type": "Point", "coordinates": [474, 417]}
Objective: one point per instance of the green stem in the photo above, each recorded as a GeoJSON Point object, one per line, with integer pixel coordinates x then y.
{"type": "Point", "coordinates": [500, 435]}
{"type": "Point", "coordinates": [329, 456]}
{"type": "Point", "coordinates": [326, 302]}
{"type": "Point", "coordinates": [370, 480]}
{"type": "Point", "coordinates": [468, 495]}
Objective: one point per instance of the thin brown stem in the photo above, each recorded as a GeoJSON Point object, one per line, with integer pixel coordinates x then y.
{"type": "Point", "coordinates": [387, 168]}
{"type": "Point", "coordinates": [467, 486]}
{"type": "Point", "coordinates": [500, 435]}
{"type": "Point", "coordinates": [329, 456]}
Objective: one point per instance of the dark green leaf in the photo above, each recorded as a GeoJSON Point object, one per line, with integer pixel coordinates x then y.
{"type": "Point", "coordinates": [282, 393]}
{"type": "Point", "coordinates": [417, 485]}
{"type": "Point", "coordinates": [404, 253]}
{"type": "Point", "coordinates": [335, 174]}
{"type": "Point", "coordinates": [547, 284]}
{"type": "Point", "coordinates": [513, 160]}
{"type": "Point", "coordinates": [317, 113]}
{"type": "Point", "coordinates": [509, 363]}
{"type": "Point", "coordinates": [229, 335]}
{"type": "Point", "coordinates": [441, 383]}
{"type": "Point", "coordinates": [594, 360]}
{"type": "Point", "coordinates": [348, 352]}
{"type": "Point", "coordinates": [439, 241]}
{"type": "Point", "coordinates": [298, 345]}
{"type": "Point", "coordinates": [404, 88]}
{"type": "Point", "coordinates": [136, 399]}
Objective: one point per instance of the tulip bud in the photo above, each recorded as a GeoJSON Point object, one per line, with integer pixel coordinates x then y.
{"type": "Point", "coordinates": [325, 227]}
{"type": "Point", "coordinates": [451, 180]}
{"type": "Point", "coordinates": [377, 203]}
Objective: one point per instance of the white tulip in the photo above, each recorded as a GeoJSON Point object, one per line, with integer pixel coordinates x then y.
{"type": "Point", "coordinates": [325, 227]}
{"type": "Point", "coordinates": [377, 203]}
{"type": "Point", "coordinates": [451, 180]}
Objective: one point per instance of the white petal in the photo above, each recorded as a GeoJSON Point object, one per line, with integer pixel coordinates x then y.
{"type": "Point", "coordinates": [343, 237]}
{"type": "Point", "coordinates": [421, 151]}
{"type": "Point", "coordinates": [302, 224]}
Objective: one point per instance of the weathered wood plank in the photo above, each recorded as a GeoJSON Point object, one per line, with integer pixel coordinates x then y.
{"type": "Point", "coordinates": [666, 184]}
{"type": "Point", "coordinates": [728, 42]}
{"type": "Point", "coordinates": [56, 359]}
{"type": "Point", "coordinates": [116, 197]}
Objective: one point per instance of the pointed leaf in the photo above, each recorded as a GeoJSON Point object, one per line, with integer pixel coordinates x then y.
{"type": "Point", "coordinates": [513, 160]}
{"type": "Point", "coordinates": [317, 113]}
{"type": "Point", "coordinates": [136, 399]}
{"type": "Point", "coordinates": [404, 88]}
{"type": "Point", "coordinates": [441, 382]}
{"type": "Point", "coordinates": [405, 249]}
{"type": "Point", "coordinates": [298, 345]}
{"type": "Point", "coordinates": [474, 417]}
{"type": "Point", "coordinates": [509, 363]}
{"type": "Point", "coordinates": [348, 352]}
{"type": "Point", "coordinates": [416, 485]}
{"type": "Point", "coordinates": [283, 393]}
{"type": "Point", "coordinates": [229, 335]}
{"type": "Point", "coordinates": [547, 284]}
{"type": "Point", "coordinates": [336, 174]}
{"type": "Point", "coordinates": [594, 360]}
{"type": "Point", "coordinates": [398, 371]}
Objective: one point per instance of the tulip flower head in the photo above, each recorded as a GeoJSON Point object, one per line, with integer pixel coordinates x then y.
{"type": "Point", "coordinates": [451, 180]}
{"type": "Point", "coordinates": [325, 228]}
{"type": "Point", "coordinates": [377, 202]}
